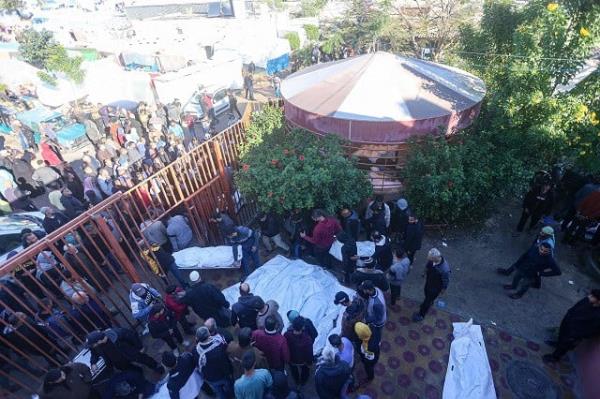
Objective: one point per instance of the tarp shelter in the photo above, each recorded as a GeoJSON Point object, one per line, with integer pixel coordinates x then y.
{"type": "Point", "coordinates": [107, 82]}
{"type": "Point", "coordinates": [65, 91]}
{"type": "Point", "coordinates": [222, 71]}
{"type": "Point", "coordinates": [14, 73]}
{"type": "Point", "coordinates": [381, 98]}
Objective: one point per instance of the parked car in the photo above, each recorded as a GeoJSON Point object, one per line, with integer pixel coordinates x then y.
{"type": "Point", "coordinates": [219, 98]}
{"type": "Point", "coordinates": [69, 134]}
{"type": "Point", "coordinates": [11, 227]}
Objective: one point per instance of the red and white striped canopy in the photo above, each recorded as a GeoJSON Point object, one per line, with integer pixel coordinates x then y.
{"type": "Point", "coordinates": [382, 98]}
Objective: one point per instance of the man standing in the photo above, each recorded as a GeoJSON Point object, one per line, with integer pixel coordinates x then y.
{"type": "Point", "coordinates": [323, 236]}
{"type": "Point", "coordinates": [184, 381]}
{"type": "Point", "coordinates": [413, 236]}
{"type": "Point", "coordinates": [52, 219]}
{"type": "Point", "coordinates": [436, 281]}
{"type": "Point", "coordinates": [530, 268]}
{"type": "Point", "coordinates": [349, 254]}
{"type": "Point", "coordinates": [369, 272]}
{"type": "Point", "coordinates": [214, 363]}
{"type": "Point", "coordinates": [244, 237]}
{"type": "Point", "coordinates": [245, 310]}
{"type": "Point", "coordinates": [253, 384]}
{"type": "Point", "coordinates": [233, 104]}
{"type": "Point", "coordinates": [398, 273]}
{"type": "Point", "coordinates": [270, 231]}
{"type": "Point", "coordinates": [180, 232]}
{"type": "Point", "coordinates": [376, 314]}
{"type": "Point", "coordinates": [206, 300]}
{"type": "Point", "coordinates": [350, 223]}
{"type": "Point", "coordinates": [581, 322]}
{"type": "Point", "coordinates": [249, 86]}
{"type": "Point", "coordinates": [537, 202]}
{"type": "Point", "coordinates": [236, 351]}
{"type": "Point", "coordinates": [141, 299]}
{"type": "Point", "coordinates": [272, 344]}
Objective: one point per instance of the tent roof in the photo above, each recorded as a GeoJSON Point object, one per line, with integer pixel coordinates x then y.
{"type": "Point", "coordinates": [398, 92]}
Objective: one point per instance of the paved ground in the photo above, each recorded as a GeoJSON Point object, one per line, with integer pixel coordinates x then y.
{"type": "Point", "coordinates": [476, 290]}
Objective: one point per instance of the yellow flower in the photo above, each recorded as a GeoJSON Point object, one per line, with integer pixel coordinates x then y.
{"type": "Point", "coordinates": [581, 112]}
{"type": "Point", "coordinates": [594, 119]}
{"type": "Point", "coordinates": [552, 7]}
{"type": "Point", "coordinates": [584, 32]}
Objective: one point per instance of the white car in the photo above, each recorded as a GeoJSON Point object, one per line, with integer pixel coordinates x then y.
{"type": "Point", "coordinates": [219, 98]}
{"type": "Point", "coordinates": [11, 227]}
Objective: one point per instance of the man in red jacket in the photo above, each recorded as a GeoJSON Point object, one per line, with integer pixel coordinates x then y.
{"type": "Point", "coordinates": [180, 310]}
{"type": "Point", "coordinates": [272, 344]}
{"type": "Point", "coordinates": [323, 236]}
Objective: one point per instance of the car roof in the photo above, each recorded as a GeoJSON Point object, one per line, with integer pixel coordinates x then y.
{"type": "Point", "coordinates": [15, 222]}
{"type": "Point", "coordinates": [38, 115]}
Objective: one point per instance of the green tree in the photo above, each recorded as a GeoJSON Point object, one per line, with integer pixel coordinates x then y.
{"type": "Point", "coordinates": [312, 32]}
{"type": "Point", "coordinates": [524, 54]}
{"type": "Point", "coordinates": [41, 50]}
{"type": "Point", "coordinates": [294, 40]}
{"type": "Point", "coordinates": [287, 169]}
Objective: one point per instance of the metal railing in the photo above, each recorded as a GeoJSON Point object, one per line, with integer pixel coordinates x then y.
{"type": "Point", "coordinates": [101, 253]}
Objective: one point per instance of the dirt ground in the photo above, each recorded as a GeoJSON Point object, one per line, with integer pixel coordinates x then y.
{"type": "Point", "coordinates": [476, 290]}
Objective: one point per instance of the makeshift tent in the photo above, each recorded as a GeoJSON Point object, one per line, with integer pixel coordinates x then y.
{"type": "Point", "coordinates": [107, 83]}
{"type": "Point", "coordinates": [14, 73]}
{"type": "Point", "coordinates": [468, 375]}
{"type": "Point", "coordinates": [381, 98]}
{"type": "Point", "coordinates": [64, 92]}
{"type": "Point", "coordinates": [297, 285]}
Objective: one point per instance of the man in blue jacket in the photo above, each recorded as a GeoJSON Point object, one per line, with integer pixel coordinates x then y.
{"type": "Point", "coordinates": [245, 237]}
{"type": "Point", "coordinates": [536, 263]}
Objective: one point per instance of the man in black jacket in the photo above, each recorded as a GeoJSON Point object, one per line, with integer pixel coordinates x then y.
{"type": "Point", "coordinates": [537, 202]}
{"type": "Point", "coordinates": [369, 272]}
{"type": "Point", "coordinates": [53, 219]}
{"type": "Point", "coordinates": [244, 311]}
{"type": "Point", "coordinates": [120, 348]}
{"type": "Point", "coordinates": [214, 364]}
{"type": "Point", "coordinates": [270, 226]}
{"type": "Point", "coordinates": [73, 207]}
{"type": "Point", "coordinates": [413, 236]}
{"type": "Point", "coordinates": [531, 268]}
{"type": "Point", "coordinates": [180, 370]}
{"type": "Point", "coordinates": [206, 300]}
{"type": "Point", "coordinates": [349, 254]}
{"type": "Point", "coordinates": [581, 322]}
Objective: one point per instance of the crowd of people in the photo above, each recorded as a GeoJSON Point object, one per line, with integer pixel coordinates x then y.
{"type": "Point", "coordinates": [129, 145]}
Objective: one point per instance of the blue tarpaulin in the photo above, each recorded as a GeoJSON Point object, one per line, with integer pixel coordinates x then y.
{"type": "Point", "coordinates": [278, 64]}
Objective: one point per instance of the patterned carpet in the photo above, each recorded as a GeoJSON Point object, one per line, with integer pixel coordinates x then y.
{"type": "Point", "coordinates": [414, 357]}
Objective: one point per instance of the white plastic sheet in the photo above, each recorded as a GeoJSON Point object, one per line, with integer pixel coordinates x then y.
{"type": "Point", "coordinates": [206, 257]}
{"type": "Point", "coordinates": [297, 285]}
{"type": "Point", "coordinates": [364, 248]}
{"type": "Point", "coordinates": [468, 375]}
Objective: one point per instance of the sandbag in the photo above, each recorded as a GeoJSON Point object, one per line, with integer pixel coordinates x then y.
{"type": "Point", "coordinates": [364, 248]}
{"type": "Point", "coordinates": [206, 257]}
{"type": "Point", "coordinates": [468, 375]}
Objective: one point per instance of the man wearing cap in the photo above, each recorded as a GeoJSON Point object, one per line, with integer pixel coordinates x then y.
{"type": "Point", "coordinates": [141, 299]}
{"type": "Point", "coordinates": [206, 300]}
{"type": "Point", "coordinates": [354, 312]}
{"type": "Point", "coordinates": [546, 235]}
{"type": "Point", "coordinates": [245, 310]}
{"type": "Point", "coordinates": [214, 363]}
{"type": "Point", "coordinates": [307, 324]}
{"type": "Point", "coordinates": [184, 380]}
{"type": "Point", "coordinates": [400, 219]}
{"type": "Point", "coordinates": [369, 272]}
{"type": "Point", "coordinates": [120, 348]}
{"type": "Point", "coordinates": [272, 344]}
{"type": "Point", "coordinates": [531, 268]}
